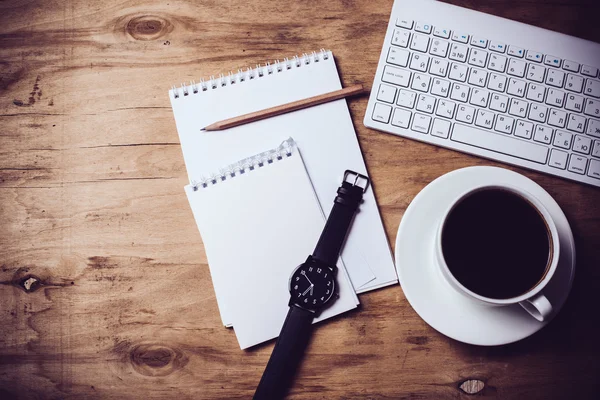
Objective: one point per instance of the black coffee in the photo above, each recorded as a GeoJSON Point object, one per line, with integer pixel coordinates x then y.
{"type": "Point", "coordinates": [496, 244]}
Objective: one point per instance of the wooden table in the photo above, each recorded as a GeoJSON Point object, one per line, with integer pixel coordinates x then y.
{"type": "Point", "coordinates": [105, 290]}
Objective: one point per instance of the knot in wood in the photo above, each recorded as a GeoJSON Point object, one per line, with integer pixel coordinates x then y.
{"type": "Point", "coordinates": [472, 386]}
{"type": "Point", "coordinates": [156, 359]}
{"type": "Point", "coordinates": [148, 27]}
{"type": "Point", "coordinates": [29, 283]}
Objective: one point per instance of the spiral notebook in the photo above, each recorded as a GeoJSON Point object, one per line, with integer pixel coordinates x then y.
{"type": "Point", "coordinates": [241, 211]}
{"type": "Point", "coordinates": [324, 133]}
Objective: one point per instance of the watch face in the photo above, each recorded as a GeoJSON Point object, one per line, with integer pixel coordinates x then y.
{"type": "Point", "coordinates": [311, 285]}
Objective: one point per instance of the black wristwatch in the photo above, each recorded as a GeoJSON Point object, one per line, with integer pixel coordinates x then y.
{"type": "Point", "coordinates": [312, 288]}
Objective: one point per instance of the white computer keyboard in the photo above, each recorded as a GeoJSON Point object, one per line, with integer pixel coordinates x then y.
{"type": "Point", "coordinates": [491, 87]}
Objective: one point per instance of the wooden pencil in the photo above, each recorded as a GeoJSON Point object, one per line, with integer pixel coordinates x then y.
{"type": "Point", "coordinates": [284, 108]}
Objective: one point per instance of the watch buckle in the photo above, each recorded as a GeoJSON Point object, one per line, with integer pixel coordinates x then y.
{"type": "Point", "coordinates": [357, 176]}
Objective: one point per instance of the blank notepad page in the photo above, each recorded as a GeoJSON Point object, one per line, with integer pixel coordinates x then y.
{"type": "Point", "coordinates": [325, 134]}
{"type": "Point", "coordinates": [257, 227]}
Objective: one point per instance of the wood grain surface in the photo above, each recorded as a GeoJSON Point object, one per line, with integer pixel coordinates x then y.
{"type": "Point", "coordinates": [104, 287]}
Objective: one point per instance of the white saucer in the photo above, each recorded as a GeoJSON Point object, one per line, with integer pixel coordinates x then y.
{"type": "Point", "coordinates": [431, 295]}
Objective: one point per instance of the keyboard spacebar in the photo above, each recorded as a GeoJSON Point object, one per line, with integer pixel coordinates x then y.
{"type": "Point", "coordinates": [499, 143]}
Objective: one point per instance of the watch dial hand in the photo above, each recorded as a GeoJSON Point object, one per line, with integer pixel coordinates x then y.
{"type": "Point", "coordinates": [308, 280]}
{"type": "Point", "coordinates": [307, 290]}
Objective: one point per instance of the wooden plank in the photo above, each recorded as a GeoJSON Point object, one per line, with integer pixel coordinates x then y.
{"type": "Point", "coordinates": [105, 291]}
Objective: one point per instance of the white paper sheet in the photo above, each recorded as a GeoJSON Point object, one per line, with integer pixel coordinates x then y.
{"type": "Point", "coordinates": [242, 221]}
{"type": "Point", "coordinates": [324, 133]}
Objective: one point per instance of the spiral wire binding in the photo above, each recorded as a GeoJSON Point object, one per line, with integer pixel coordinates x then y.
{"type": "Point", "coordinates": [285, 149]}
{"type": "Point", "coordinates": [249, 74]}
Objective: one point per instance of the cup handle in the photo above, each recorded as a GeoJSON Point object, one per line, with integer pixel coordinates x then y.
{"type": "Point", "coordinates": [538, 306]}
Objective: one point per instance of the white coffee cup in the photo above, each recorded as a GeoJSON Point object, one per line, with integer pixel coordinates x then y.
{"type": "Point", "coordinates": [533, 301]}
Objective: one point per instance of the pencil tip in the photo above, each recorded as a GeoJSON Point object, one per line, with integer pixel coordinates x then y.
{"type": "Point", "coordinates": [203, 129]}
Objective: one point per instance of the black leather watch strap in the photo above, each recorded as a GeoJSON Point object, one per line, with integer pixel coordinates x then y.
{"type": "Point", "coordinates": [287, 354]}
{"type": "Point", "coordinates": [297, 327]}
{"type": "Point", "coordinates": [349, 196]}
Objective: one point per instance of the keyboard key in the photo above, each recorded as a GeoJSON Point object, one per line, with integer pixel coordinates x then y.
{"type": "Point", "coordinates": [396, 76]}
{"type": "Point", "coordinates": [536, 73]}
{"type": "Point", "coordinates": [593, 128]}
{"type": "Point", "coordinates": [555, 78]}
{"type": "Point", "coordinates": [401, 118]}
{"type": "Point", "coordinates": [534, 56]}
{"type": "Point", "coordinates": [516, 87]}
{"type": "Point", "coordinates": [386, 93]}
{"type": "Point", "coordinates": [500, 143]}
{"type": "Point", "coordinates": [421, 123]}
{"type": "Point", "coordinates": [563, 140]}
{"type": "Point", "coordinates": [497, 46]}
{"type": "Point", "coordinates": [458, 72]}
{"type": "Point", "coordinates": [576, 123]}
{"type": "Point", "coordinates": [404, 23]}
{"type": "Point", "coordinates": [558, 159]}
{"type": "Point", "coordinates": [582, 144]}
{"type": "Point", "coordinates": [557, 118]}
{"type": "Point", "coordinates": [465, 114]}
{"type": "Point", "coordinates": [398, 57]}
{"type": "Point", "coordinates": [479, 42]}
{"type": "Point", "coordinates": [504, 124]}
{"type": "Point", "coordinates": [594, 170]}
{"type": "Point", "coordinates": [441, 128]}
{"type": "Point", "coordinates": [421, 27]}
{"type": "Point", "coordinates": [596, 149]}
{"type": "Point", "coordinates": [577, 164]}
{"type": "Point", "coordinates": [458, 52]}
{"type": "Point", "coordinates": [497, 63]}
{"type": "Point", "coordinates": [419, 62]}
{"type": "Point", "coordinates": [445, 109]}
{"type": "Point", "coordinates": [484, 119]}
{"type": "Point", "coordinates": [439, 48]}
{"type": "Point", "coordinates": [460, 37]}
{"type": "Point", "coordinates": [460, 92]}
{"type": "Point", "coordinates": [381, 113]}
{"type": "Point", "coordinates": [478, 58]}
{"type": "Point", "coordinates": [524, 129]}
{"type": "Point", "coordinates": [542, 134]}
{"type": "Point", "coordinates": [574, 103]}
{"type": "Point", "coordinates": [499, 103]}
{"type": "Point", "coordinates": [421, 82]}
{"type": "Point", "coordinates": [478, 77]}
{"type": "Point", "coordinates": [592, 88]}
{"type": "Point", "coordinates": [516, 68]}
{"type": "Point", "coordinates": [441, 32]}
{"type": "Point", "coordinates": [571, 66]}
{"type": "Point", "coordinates": [426, 103]}
{"type": "Point", "coordinates": [518, 108]}
{"type": "Point", "coordinates": [400, 37]}
{"type": "Point", "coordinates": [589, 71]}
{"type": "Point", "coordinates": [419, 43]}
{"type": "Point", "coordinates": [479, 97]}
{"type": "Point", "coordinates": [574, 83]}
{"type": "Point", "coordinates": [497, 82]}
{"type": "Point", "coordinates": [536, 92]}
{"type": "Point", "coordinates": [538, 113]}
{"type": "Point", "coordinates": [406, 98]}
{"type": "Point", "coordinates": [438, 67]}
{"type": "Point", "coordinates": [516, 51]}
{"type": "Point", "coordinates": [592, 108]}
{"type": "Point", "coordinates": [552, 61]}
{"type": "Point", "coordinates": [440, 87]}
{"type": "Point", "coordinates": [555, 98]}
